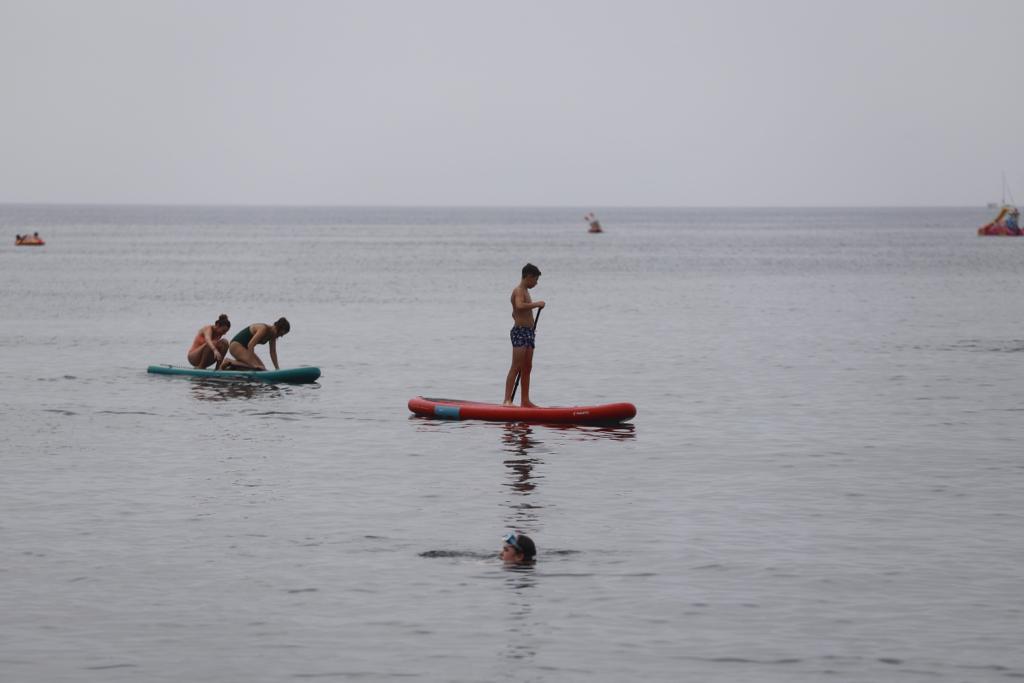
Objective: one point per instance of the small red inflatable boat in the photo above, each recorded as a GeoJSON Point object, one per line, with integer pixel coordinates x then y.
{"type": "Point", "coordinates": [1004, 225]}
{"type": "Point", "coordinates": [998, 230]}
{"type": "Point", "coordinates": [455, 409]}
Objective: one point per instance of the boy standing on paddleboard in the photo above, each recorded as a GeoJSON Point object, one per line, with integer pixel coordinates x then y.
{"type": "Point", "coordinates": [522, 335]}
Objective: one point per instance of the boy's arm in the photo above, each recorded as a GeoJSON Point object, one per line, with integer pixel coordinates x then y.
{"type": "Point", "coordinates": [521, 304]}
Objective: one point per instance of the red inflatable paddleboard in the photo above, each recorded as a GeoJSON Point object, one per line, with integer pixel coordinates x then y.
{"type": "Point", "coordinates": [455, 409]}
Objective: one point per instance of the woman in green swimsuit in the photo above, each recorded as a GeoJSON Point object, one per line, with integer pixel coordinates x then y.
{"type": "Point", "coordinates": [243, 346]}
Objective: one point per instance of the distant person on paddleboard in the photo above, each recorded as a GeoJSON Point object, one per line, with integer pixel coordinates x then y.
{"type": "Point", "coordinates": [243, 346]}
{"type": "Point", "coordinates": [209, 346]}
{"type": "Point", "coordinates": [1013, 221]}
{"type": "Point", "coordinates": [518, 548]}
{"type": "Point", "coordinates": [522, 335]}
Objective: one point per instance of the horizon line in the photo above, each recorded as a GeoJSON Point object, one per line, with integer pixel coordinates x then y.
{"type": "Point", "coordinates": [495, 206]}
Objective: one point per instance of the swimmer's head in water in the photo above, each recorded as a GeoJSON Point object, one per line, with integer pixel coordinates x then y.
{"type": "Point", "coordinates": [518, 549]}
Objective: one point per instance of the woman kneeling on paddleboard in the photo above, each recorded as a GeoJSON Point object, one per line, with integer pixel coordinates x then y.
{"type": "Point", "coordinates": [243, 346]}
{"type": "Point", "coordinates": [208, 346]}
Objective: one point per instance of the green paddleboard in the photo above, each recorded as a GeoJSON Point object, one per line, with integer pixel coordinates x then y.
{"type": "Point", "coordinates": [289, 375]}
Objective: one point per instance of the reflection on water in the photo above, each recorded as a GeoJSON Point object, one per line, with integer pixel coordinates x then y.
{"type": "Point", "coordinates": [205, 389]}
{"type": "Point", "coordinates": [524, 447]}
{"type": "Point", "coordinates": [518, 440]}
{"type": "Point", "coordinates": [620, 432]}
{"type": "Point", "coordinates": [521, 641]}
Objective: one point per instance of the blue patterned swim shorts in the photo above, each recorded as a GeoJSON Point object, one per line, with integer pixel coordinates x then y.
{"type": "Point", "coordinates": [522, 336]}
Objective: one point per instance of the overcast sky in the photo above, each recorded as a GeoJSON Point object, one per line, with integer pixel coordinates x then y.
{"type": "Point", "coordinates": [582, 103]}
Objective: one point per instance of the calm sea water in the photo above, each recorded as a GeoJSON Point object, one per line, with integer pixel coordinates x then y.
{"type": "Point", "coordinates": [824, 480]}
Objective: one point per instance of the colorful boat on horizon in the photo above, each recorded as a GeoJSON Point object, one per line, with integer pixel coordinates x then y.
{"type": "Point", "coordinates": [29, 240]}
{"type": "Point", "coordinates": [1006, 224]}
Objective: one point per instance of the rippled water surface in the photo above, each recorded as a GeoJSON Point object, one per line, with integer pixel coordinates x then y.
{"type": "Point", "coordinates": [824, 480]}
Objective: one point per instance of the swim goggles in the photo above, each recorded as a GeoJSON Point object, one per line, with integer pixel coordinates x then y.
{"type": "Point", "coordinates": [513, 541]}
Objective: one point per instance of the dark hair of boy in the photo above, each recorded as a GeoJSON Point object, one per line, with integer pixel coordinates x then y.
{"type": "Point", "coordinates": [530, 269]}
